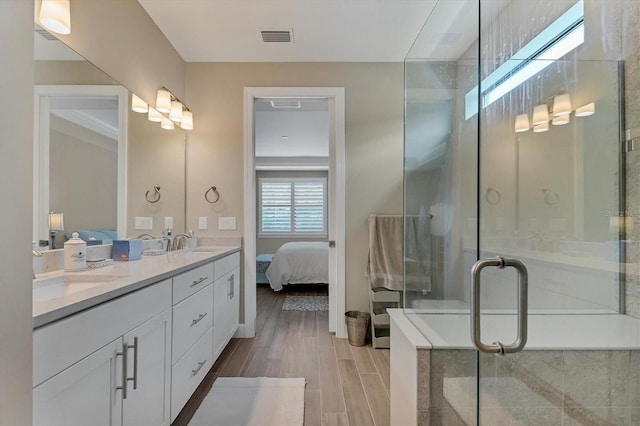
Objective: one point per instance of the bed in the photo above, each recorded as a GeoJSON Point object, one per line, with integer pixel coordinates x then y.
{"type": "Point", "coordinates": [299, 262]}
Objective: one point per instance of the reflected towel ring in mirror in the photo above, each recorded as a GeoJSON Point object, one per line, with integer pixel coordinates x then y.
{"type": "Point", "coordinates": [550, 197]}
{"type": "Point", "coordinates": [156, 195]}
{"type": "Point", "coordinates": [492, 196]}
{"type": "Point", "coordinates": [215, 191]}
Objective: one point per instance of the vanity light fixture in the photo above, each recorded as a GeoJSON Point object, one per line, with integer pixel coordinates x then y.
{"type": "Point", "coordinates": [138, 105]}
{"type": "Point", "coordinates": [187, 120]}
{"type": "Point", "coordinates": [55, 15]}
{"type": "Point", "coordinates": [561, 120]}
{"type": "Point", "coordinates": [522, 123]}
{"type": "Point", "coordinates": [154, 115]}
{"type": "Point", "coordinates": [542, 127]}
{"type": "Point", "coordinates": [586, 110]}
{"type": "Point", "coordinates": [540, 115]}
{"type": "Point", "coordinates": [167, 124]}
{"type": "Point", "coordinates": [561, 105]}
{"type": "Point", "coordinates": [163, 101]}
{"type": "Point", "coordinates": [176, 111]}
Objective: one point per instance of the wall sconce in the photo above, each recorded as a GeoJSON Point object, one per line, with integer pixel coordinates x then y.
{"type": "Point", "coordinates": [540, 115]}
{"type": "Point", "coordinates": [522, 123]}
{"type": "Point", "coordinates": [561, 105]}
{"type": "Point", "coordinates": [56, 223]}
{"type": "Point", "coordinates": [542, 127]}
{"type": "Point", "coordinates": [55, 15]}
{"type": "Point", "coordinates": [561, 120]}
{"type": "Point", "coordinates": [165, 102]}
{"type": "Point", "coordinates": [586, 110]}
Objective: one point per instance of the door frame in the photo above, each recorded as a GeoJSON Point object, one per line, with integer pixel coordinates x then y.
{"type": "Point", "coordinates": [336, 201]}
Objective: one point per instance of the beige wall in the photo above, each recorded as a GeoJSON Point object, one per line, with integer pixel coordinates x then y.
{"type": "Point", "coordinates": [374, 114]}
{"type": "Point", "coordinates": [16, 169]}
{"type": "Point", "coordinates": [121, 39]}
{"type": "Point", "coordinates": [156, 158]}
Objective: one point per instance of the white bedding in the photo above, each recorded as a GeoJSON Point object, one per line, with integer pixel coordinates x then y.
{"type": "Point", "coordinates": [301, 262]}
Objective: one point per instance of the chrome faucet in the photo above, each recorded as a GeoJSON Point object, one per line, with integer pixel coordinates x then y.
{"type": "Point", "coordinates": [178, 241]}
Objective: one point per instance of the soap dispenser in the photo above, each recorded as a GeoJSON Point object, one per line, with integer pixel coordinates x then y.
{"type": "Point", "coordinates": [75, 254]}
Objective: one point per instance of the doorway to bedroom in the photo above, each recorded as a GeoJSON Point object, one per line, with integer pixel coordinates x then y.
{"type": "Point", "coordinates": [294, 200]}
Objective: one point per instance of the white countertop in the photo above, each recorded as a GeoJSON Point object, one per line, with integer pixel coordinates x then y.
{"type": "Point", "coordinates": [54, 299]}
{"type": "Point", "coordinates": [545, 332]}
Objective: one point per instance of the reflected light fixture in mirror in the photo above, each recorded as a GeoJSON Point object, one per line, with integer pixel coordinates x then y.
{"type": "Point", "coordinates": [167, 124]}
{"type": "Point", "coordinates": [56, 223]}
{"type": "Point", "coordinates": [154, 115]}
{"type": "Point", "coordinates": [55, 15]}
{"type": "Point", "coordinates": [586, 110]}
{"type": "Point", "coordinates": [522, 123]}
{"type": "Point", "coordinates": [542, 127]}
{"type": "Point", "coordinates": [560, 120]}
{"type": "Point", "coordinates": [561, 105]}
{"type": "Point", "coordinates": [138, 105]}
{"type": "Point", "coordinates": [540, 115]}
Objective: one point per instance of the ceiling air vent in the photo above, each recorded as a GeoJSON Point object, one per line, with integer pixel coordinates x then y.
{"type": "Point", "coordinates": [277, 36]}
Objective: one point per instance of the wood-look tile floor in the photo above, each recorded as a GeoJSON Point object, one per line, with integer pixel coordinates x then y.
{"type": "Point", "coordinates": [346, 385]}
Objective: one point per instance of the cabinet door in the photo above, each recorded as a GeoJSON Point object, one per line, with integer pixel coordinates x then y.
{"type": "Point", "coordinates": [83, 394]}
{"type": "Point", "coordinates": [148, 403]}
{"type": "Point", "coordinates": [220, 296]}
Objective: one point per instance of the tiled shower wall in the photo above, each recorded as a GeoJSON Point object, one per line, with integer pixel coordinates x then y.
{"type": "Point", "coordinates": [564, 387]}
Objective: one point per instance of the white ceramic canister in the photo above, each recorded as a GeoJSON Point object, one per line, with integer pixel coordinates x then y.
{"type": "Point", "coordinates": [75, 254]}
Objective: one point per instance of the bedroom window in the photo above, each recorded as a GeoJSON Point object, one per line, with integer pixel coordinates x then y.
{"type": "Point", "coordinates": [293, 207]}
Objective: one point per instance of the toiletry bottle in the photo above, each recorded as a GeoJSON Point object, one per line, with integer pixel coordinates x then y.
{"type": "Point", "coordinates": [75, 254]}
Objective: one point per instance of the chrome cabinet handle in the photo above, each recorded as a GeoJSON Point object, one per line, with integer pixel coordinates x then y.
{"type": "Point", "coordinates": [196, 282]}
{"type": "Point", "coordinates": [125, 378]}
{"type": "Point", "coordinates": [230, 282]}
{"type": "Point", "coordinates": [200, 365]}
{"type": "Point", "coordinates": [197, 320]}
{"type": "Point", "coordinates": [523, 296]}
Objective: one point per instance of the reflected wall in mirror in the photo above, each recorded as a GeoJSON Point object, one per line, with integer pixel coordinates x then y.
{"type": "Point", "coordinates": [99, 165]}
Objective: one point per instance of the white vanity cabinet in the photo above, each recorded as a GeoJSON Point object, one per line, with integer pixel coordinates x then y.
{"type": "Point", "coordinates": [83, 363]}
{"type": "Point", "coordinates": [226, 299]}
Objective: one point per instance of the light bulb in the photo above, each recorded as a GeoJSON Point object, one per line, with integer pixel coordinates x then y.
{"type": "Point", "coordinates": [138, 105]}
{"type": "Point", "coordinates": [163, 101]}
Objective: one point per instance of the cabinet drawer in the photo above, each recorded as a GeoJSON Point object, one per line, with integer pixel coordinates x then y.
{"type": "Point", "coordinates": [191, 319]}
{"type": "Point", "coordinates": [191, 281]}
{"type": "Point", "coordinates": [189, 371]}
{"type": "Point", "coordinates": [62, 343]}
{"type": "Point", "coordinates": [227, 264]}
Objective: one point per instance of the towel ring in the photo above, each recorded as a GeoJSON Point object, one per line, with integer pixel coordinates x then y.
{"type": "Point", "coordinates": [550, 197]}
{"type": "Point", "coordinates": [492, 196]}
{"type": "Point", "coordinates": [215, 191]}
{"type": "Point", "coordinates": [157, 196]}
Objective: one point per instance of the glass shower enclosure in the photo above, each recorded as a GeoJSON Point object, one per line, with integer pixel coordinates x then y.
{"type": "Point", "coordinates": [522, 193]}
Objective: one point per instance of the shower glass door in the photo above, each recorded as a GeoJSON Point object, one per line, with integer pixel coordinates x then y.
{"type": "Point", "coordinates": [519, 147]}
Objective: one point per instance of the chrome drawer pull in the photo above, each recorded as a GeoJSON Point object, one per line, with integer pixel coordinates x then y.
{"type": "Point", "coordinates": [196, 282]}
{"type": "Point", "coordinates": [200, 365]}
{"type": "Point", "coordinates": [197, 320]}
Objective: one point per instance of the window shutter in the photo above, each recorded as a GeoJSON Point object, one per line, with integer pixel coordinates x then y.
{"type": "Point", "coordinates": [276, 207]}
{"type": "Point", "coordinates": [308, 214]}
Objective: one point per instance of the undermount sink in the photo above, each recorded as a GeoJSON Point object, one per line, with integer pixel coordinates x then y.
{"type": "Point", "coordinates": [67, 284]}
{"type": "Point", "coordinates": [206, 249]}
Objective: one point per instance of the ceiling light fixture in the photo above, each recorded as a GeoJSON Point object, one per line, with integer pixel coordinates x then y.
{"type": "Point", "coordinates": [154, 115]}
{"type": "Point", "coordinates": [55, 15]}
{"type": "Point", "coordinates": [138, 105]}
{"type": "Point", "coordinates": [176, 111]}
{"type": "Point", "coordinates": [167, 124]}
{"type": "Point", "coordinates": [187, 120]}
{"type": "Point", "coordinates": [540, 115]}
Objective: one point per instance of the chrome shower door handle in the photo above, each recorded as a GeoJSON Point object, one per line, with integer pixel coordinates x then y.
{"type": "Point", "coordinates": [523, 297]}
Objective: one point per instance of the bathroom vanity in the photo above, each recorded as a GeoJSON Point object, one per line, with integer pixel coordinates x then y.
{"type": "Point", "coordinates": [130, 343]}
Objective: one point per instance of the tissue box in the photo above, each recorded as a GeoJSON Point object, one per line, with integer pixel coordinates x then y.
{"type": "Point", "coordinates": [127, 249]}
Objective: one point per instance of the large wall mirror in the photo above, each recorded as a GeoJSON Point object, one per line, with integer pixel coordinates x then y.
{"type": "Point", "coordinates": [95, 160]}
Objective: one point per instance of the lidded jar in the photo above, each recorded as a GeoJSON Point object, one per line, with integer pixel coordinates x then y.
{"type": "Point", "coordinates": [75, 254]}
